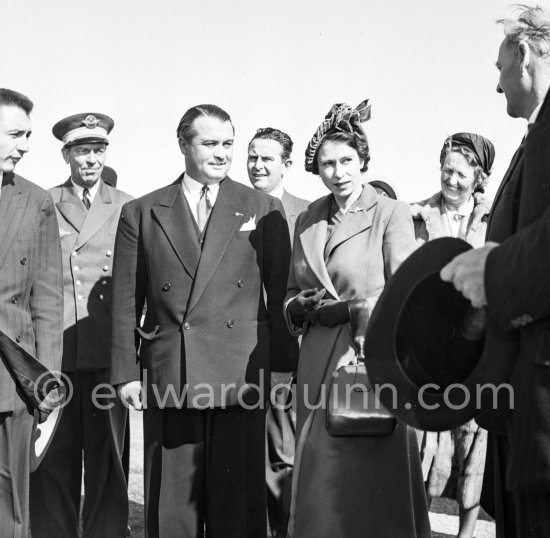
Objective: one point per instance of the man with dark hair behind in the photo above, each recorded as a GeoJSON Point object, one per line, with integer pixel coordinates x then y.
{"type": "Point", "coordinates": [269, 158]}
{"type": "Point", "coordinates": [200, 252]}
{"type": "Point", "coordinates": [31, 302]}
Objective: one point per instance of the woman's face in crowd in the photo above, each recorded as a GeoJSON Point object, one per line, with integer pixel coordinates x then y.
{"type": "Point", "coordinates": [457, 179]}
{"type": "Point", "coordinates": [340, 168]}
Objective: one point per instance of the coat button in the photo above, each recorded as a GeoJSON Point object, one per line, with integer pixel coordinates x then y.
{"type": "Point", "coordinates": [166, 287]}
{"type": "Point", "coordinates": [14, 300]}
{"type": "Point", "coordinates": [186, 326]}
{"type": "Point", "coordinates": [105, 268]}
{"type": "Point", "coordinates": [79, 297]}
{"type": "Point", "coordinates": [240, 283]}
{"type": "Point", "coordinates": [108, 254]}
{"type": "Point", "coordinates": [77, 283]}
{"type": "Point", "coordinates": [231, 324]}
{"type": "Point", "coordinates": [103, 282]}
{"type": "Point", "coordinates": [101, 297]}
{"type": "Point", "coordinates": [76, 268]}
{"type": "Point", "coordinates": [23, 261]}
{"type": "Point", "coordinates": [73, 253]}
{"type": "Point", "coordinates": [18, 339]}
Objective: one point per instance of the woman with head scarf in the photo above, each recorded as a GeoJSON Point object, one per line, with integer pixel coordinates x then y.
{"type": "Point", "coordinates": [453, 462]}
{"type": "Point", "coordinates": [346, 245]}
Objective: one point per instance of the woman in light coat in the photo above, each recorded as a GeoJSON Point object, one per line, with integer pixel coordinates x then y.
{"type": "Point", "coordinates": [453, 462]}
{"type": "Point", "coordinates": [346, 246]}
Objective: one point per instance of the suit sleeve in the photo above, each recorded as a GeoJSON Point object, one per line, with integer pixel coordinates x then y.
{"type": "Point", "coordinates": [283, 346]}
{"type": "Point", "coordinates": [399, 240]}
{"type": "Point", "coordinates": [46, 300]}
{"type": "Point", "coordinates": [129, 285]}
{"type": "Point", "coordinates": [517, 280]}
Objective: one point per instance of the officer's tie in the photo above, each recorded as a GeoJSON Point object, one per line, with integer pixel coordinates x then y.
{"type": "Point", "coordinates": [86, 198]}
{"type": "Point", "coordinates": [204, 208]}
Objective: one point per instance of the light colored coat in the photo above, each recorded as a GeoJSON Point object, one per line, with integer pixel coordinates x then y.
{"type": "Point", "coordinates": [337, 481]}
{"type": "Point", "coordinates": [88, 244]}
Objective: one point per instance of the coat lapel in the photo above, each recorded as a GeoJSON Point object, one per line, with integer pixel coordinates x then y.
{"type": "Point", "coordinates": [177, 223]}
{"type": "Point", "coordinates": [71, 207]}
{"type": "Point", "coordinates": [356, 220]}
{"type": "Point", "coordinates": [313, 239]}
{"type": "Point", "coordinates": [12, 205]}
{"type": "Point", "coordinates": [227, 214]}
{"type": "Point", "coordinates": [95, 218]}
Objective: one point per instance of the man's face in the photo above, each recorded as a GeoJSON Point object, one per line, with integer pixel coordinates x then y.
{"type": "Point", "coordinates": [510, 82]}
{"type": "Point", "coordinates": [86, 162]}
{"type": "Point", "coordinates": [15, 129]}
{"type": "Point", "coordinates": [265, 164]}
{"type": "Point", "coordinates": [209, 154]}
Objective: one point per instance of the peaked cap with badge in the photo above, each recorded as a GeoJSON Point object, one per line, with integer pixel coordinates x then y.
{"type": "Point", "coordinates": [84, 128]}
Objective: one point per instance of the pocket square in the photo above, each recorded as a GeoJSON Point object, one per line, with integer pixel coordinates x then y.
{"type": "Point", "coordinates": [249, 225]}
{"type": "Point", "coordinates": [63, 233]}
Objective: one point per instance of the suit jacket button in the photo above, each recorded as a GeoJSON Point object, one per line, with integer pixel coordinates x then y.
{"type": "Point", "coordinates": [186, 326]}
{"type": "Point", "coordinates": [240, 283]}
{"type": "Point", "coordinates": [23, 261]}
{"type": "Point", "coordinates": [166, 287]}
{"type": "Point", "coordinates": [79, 297]}
{"type": "Point", "coordinates": [18, 339]}
{"type": "Point", "coordinates": [103, 282]}
{"type": "Point", "coordinates": [14, 300]}
{"type": "Point", "coordinates": [101, 297]}
{"type": "Point", "coordinates": [73, 253]}
{"type": "Point", "coordinates": [105, 268]}
{"type": "Point", "coordinates": [108, 253]}
{"type": "Point", "coordinates": [231, 324]}
{"type": "Point", "coordinates": [77, 283]}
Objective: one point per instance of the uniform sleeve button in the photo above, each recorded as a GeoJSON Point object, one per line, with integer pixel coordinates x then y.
{"type": "Point", "coordinates": [186, 326]}
{"type": "Point", "coordinates": [231, 324]}
{"type": "Point", "coordinates": [240, 283]}
{"type": "Point", "coordinates": [15, 300]}
{"type": "Point", "coordinates": [166, 287]}
{"type": "Point", "coordinates": [18, 339]}
{"type": "Point", "coordinates": [23, 261]}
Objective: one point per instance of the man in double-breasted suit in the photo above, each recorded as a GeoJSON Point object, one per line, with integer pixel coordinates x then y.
{"type": "Point", "coordinates": [200, 253]}
{"type": "Point", "coordinates": [269, 157]}
{"type": "Point", "coordinates": [31, 302]}
{"type": "Point", "coordinates": [92, 428]}
{"type": "Point", "coordinates": [510, 275]}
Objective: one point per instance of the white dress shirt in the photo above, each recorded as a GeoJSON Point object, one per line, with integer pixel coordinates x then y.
{"type": "Point", "coordinates": [92, 190]}
{"type": "Point", "coordinates": [192, 192]}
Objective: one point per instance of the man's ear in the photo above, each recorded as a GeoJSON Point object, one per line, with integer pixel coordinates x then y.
{"type": "Point", "coordinates": [524, 54]}
{"type": "Point", "coordinates": [183, 145]}
{"type": "Point", "coordinates": [65, 153]}
{"type": "Point", "coordinates": [287, 164]}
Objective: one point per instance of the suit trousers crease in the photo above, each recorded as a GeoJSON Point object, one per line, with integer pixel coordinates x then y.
{"type": "Point", "coordinates": [87, 437]}
{"type": "Point", "coordinates": [204, 473]}
{"type": "Point", "coordinates": [15, 440]}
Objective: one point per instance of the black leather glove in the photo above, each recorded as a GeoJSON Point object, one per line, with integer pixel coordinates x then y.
{"type": "Point", "coordinates": [304, 303]}
{"type": "Point", "coordinates": [330, 313]}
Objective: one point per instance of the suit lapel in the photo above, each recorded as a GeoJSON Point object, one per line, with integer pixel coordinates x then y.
{"type": "Point", "coordinates": [355, 221]}
{"type": "Point", "coordinates": [313, 239]}
{"type": "Point", "coordinates": [12, 205]}
{"type": "Point", "coordinates": [99, 213]}
{"type": "Point", "coordinates": [227, 214]}
{"type": "Point", "coordinates": [71, 207]}
{"type": "Point", "coordinates": [176, 221]}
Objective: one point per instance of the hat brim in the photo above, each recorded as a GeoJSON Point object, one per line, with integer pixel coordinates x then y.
{"type": "Point", "coordinates": [425, 398]}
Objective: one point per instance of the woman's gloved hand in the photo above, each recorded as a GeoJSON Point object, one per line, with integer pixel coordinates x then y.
{"type": "Point", "coordinates": [304, 303]}
{"type": "Point", "coordinates": [329, 313]}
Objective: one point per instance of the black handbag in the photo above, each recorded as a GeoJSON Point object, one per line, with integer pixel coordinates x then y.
{"type": "Point", "coordinates": [353, 406]}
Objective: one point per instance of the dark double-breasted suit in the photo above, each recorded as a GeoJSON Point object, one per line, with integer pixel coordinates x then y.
{"type": "Point", "coordinates": [87, 240]}
{"type": "Point", "coordinates": [208, 333]}
{"type": "Point", "coordinates": [518, 293]}
{"type": "Point", "coordinates": [31, 313]}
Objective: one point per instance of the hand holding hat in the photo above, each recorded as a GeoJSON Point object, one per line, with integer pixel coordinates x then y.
{"type": "Point", "coordinates": [304, 303]}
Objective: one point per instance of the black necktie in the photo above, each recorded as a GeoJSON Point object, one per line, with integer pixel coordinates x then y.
{"type": "Point", "coordinates": [86, 199]}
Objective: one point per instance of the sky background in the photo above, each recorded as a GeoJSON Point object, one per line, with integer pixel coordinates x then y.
{"type": "Point", "coordinates": [428, 67]}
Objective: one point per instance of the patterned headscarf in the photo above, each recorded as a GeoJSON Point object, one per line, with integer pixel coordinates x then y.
{"type": "Point", "coordinates": [341, 117]}
{"type": "Point", "coordinates": [480, 146]}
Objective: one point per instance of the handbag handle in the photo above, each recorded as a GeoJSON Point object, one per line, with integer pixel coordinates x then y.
{"type": "Point", "coordinates": [358, 319]}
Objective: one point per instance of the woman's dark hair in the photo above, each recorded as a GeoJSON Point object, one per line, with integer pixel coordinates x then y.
{"type": "Point", "coordinates": [354, 140]}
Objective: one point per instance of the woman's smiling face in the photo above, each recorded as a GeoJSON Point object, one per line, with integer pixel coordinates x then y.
{"type": "Point", "coordinates": [457, 179]}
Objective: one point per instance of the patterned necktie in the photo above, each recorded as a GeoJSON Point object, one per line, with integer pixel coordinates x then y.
{"type": "Point", "coordinates": [86, 199]}
{"type": "Point", "coordinates": [204, 208]}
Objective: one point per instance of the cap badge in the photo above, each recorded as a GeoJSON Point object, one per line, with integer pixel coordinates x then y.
{"type": "Point", "coordinates": [90, 121]}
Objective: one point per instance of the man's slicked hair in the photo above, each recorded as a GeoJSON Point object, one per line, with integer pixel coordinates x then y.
{"type": "Point", "coordinates": [269, 133]}
{"type": "Point", "coordinates": [13, 98]}
{"type": "Point", "coordinates": [185, 127]}
{"type": "Point", "coordinates": [530, 24]}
